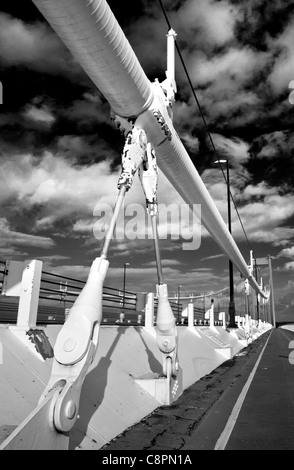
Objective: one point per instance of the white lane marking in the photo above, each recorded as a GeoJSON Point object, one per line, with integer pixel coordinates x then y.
{"type": "Point", "coordinates": [225, 435]}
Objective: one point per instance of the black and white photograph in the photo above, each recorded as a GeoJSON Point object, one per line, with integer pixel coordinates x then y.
{"type": "Point", "coordinates": [146, 227]}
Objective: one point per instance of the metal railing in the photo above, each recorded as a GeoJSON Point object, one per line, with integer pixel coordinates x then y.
{"type": "Point", "coordinates": [118, 305]}
{"type": "Point", "coordinates": [175, 306]}
{"type": "Point", "coordinates": [59, 292]}
{"type": "Point", "coordinates": [199, 316]}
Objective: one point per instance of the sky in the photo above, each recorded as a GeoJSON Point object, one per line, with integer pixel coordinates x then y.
{"type": "Point", "coordinates": [60, 153]}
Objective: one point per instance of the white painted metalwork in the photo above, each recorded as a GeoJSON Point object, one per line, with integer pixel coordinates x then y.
{"type": "Point", "coordinates": [91, 32]}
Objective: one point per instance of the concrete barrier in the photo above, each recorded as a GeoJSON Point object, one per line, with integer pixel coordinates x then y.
{"type": "Point", "coordinates": [112, 398]}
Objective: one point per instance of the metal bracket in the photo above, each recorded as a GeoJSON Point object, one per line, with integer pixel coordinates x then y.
{"type": "Point", "coordinates": [75, 348]}
{"type": "Point", "coordinates": [133, 155]}
{"type": "Point", "coordinates": [148, 174]}
{"type": "Point", "coordinates": [166, 332]}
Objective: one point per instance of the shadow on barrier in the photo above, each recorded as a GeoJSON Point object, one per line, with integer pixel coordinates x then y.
{"type": "Point", "coordinates": [92, 394]}
{"type": "Point", "coordinates": [154, 364]}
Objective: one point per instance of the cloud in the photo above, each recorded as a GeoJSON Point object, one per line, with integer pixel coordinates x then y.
{"type": "Point", "coordinates": [211, 21]}
{"type": "Point", "coordinates": [39, 114]}
{"type": "Point", "coordinates": [264, 221]}
{"type": "Point", "coordinates": [90, 106]}
{"type": "Point", "coordinates": [283, 69]}
{"type": "Point", "coordinates": [258, 191]}
{"type": "Point", "coordinates": [12, 253]}
{"type": "Point", "coordinates": [84, 149]}
{"type": "Point", "coordinates": [35, 46]}
{"type": "Point", "coordinates": [10, 238]}
{"type": "Point", "coordinates": [165, 262]}
{"type": "Point", "coordinates": [207, 258]}
{"type": "Point", "coordinates": [52, 258]}
{"type": "Point", "coordinates": [54, 185]}
{"type": "Point", "coordinates": [145, 278]}
{"type": "Point", "coordinates": [289, 266]}
{"type": "Point", "coordinates": [264, 210]}
{"type": "Point", "coordinates": [79, 272]}
{"type": "Point", "coordinates": [286, 253]}
{"type": "Point", "coordinates": [201, 25]}
{"type": "Point", "coordinates": [54, 189]}
{"type": "Point", "coordinates": [274, 144]}
{"type": "Point", "coordinates": [233, 149]}
{"type": "Point", "coordinates": [232, 68]}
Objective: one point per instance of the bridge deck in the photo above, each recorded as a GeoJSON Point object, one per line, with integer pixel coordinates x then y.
{"type": "Point", "coordinates": [255, 388]}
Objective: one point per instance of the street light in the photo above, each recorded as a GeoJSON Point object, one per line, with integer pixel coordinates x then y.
{"type": "Point", "coordinates": [124, 286]}
{"type": "Point", "coordinates": [232, 323]}
{"type": "Point", "coordinates": [179, 287]}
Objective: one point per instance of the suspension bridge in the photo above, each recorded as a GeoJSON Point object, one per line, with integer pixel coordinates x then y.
{"type": "Point", "coordinates": [82, 362]}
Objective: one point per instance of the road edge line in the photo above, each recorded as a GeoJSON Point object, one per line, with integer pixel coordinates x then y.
{"type": "Point", "coordinates": [225, 435]}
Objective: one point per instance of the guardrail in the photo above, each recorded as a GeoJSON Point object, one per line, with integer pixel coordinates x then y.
{"type": "Point", "coordinates": [199, 316]}
{"type": "Point", "coordinates": [46, 297]}
{"type": "Point", "coordinates": [118, 305]}
{"type": "Point", "coordinates": [176, 307]}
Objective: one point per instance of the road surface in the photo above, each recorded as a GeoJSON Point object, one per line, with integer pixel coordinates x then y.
{"type": "Point", "coordinates": [245, 404]}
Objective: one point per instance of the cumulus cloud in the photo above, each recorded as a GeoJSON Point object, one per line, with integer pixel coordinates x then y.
{"type": "Point", "coordinates": [229, 70]}
{"type": "Point", "coordinates": [51, 183]}
{"type": "Point", "coordinates": [258, 191]}
{"type": "Point", "coordinates": [289, 266]}
{"type": "Point", "coordinates": [264, 220]}
{"type": "Point", "coordinates": [232, 68]}
{"type": "Point", "coordinates": [40, 114]}
{"type": "Point", "coordinates": [213, 21]}
{"type": "Point", "coordinates": [75, 271]}
{"type": "Point", "coordinates": [287, 253]}
{"type": "Point", "coordinates": [274, 144]}
{"type": "Point", "coordinates": [264, 210]}
{"type": "Point", "coordinates": [10, 238]}
{"type": "Point", "coordinates": [55, 189]}
{"type": "Point", "coordinates": [165, 262]}
{"type": "Point", "coordinates": [233, 149]}
{"type": "Point", "coordinates": [207, 258]}
{"type": "Point", "coordinates": [89, 107]}
{"type": "Point", "coordinates": [283, 70]}
{"type": "Point", "coordinates": [144, 278]}
{"type": "Point", "coordinates": [34, 46]}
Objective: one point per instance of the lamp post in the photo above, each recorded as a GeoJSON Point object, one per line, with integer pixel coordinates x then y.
{"type": "Point", "coordinates": [179, 287]}
{"type": "Point", "coordinates": [257, 295]}
{"type": "Point", "coordinates": [124, 286]}
{"type": "Point", "coordinates": [272, 291]}
{"type": "Point", "coordinates": [232, 309]}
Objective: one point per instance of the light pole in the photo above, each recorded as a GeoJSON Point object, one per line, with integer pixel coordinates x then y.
{"type": "Point", "coordinates": [124, 286]}
{"type": "Point", "coordinates": [257, 296]}
{"type": "Point", "coordinates": [179, 287]}
{"type": "Point", "coordinates": [272, 291]}
{"type": "Point", "coordinates": [232, 309]}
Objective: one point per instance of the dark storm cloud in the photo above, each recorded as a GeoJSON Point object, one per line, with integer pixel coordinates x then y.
{"type": "Point", "coordinates": [260, 20]}
{"type": "Point", "coordinates": [272, 159]}
{"type": "Point", "coordinates": [34, 46]}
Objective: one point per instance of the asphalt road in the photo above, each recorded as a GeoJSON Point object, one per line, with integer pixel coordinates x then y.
{"type": "Point", "coordinates": [245, 404]}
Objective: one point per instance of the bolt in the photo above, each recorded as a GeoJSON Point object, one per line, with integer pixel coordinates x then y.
{"type": "Point", "coordinates": [69, 344]}
{"type": "Point", "coordinates": [165, 343]}
{"type": "Point", "coordinates": [70, 409]}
